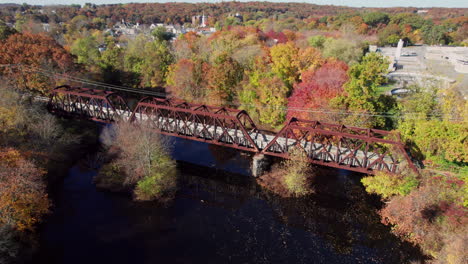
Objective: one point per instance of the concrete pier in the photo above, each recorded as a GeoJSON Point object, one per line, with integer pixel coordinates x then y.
{"type": "Point", "coordinates": [260, 164]}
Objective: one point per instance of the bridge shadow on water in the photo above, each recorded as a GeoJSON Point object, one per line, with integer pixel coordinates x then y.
{"type": "Point", "coordinates": [220, 215]}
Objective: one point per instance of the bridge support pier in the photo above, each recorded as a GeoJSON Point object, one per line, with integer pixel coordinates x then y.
{"type": "Point", "coordinates": [260, 164]}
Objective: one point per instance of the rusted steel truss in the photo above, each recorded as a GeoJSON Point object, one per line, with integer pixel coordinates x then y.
{"type": "Point", "coordinates": [338, 146]}
{"type": "Point", "coordinates": [98, 105]}
{"type": "Point", "coordinates": [216, 125]}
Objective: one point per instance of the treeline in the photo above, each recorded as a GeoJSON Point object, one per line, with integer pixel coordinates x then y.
{"type": "Point", "coordinates": [438, 26]}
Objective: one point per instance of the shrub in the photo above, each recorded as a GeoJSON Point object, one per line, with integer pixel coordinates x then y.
{"type": "Point", "coordinates": [433, 216]}
{"type": "Point", "coordinates": [455, 249]}
{"type": "Point", "coordinates": [297, 174]}
{"type": "Point", "coordinates": [387, 185]}
{"type": "Point", "coordinates": [158, 186]}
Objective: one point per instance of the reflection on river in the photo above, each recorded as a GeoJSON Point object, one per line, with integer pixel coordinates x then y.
{"type": "Point", "coordinates": [218, 216]}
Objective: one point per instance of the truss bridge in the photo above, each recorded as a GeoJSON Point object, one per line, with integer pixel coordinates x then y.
{"type": "Point", "coordinates": [333, 145]}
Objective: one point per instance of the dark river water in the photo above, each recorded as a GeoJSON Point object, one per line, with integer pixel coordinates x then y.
{"type": "Point", "coordinates": [220, 215]}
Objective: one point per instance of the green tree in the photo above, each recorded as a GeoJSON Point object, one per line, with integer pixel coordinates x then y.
{"type": "Point", "coordinates": [317, 41]}
{"type": "Point", "coordinates": [414, 20]}
{"type": "Point", "coordinates": [436, 34]}
{"type": "Point", "coordinates": [86, 50]}
{"type": "Point", "coordinates": [361, 94]}
{"type": "Point", "coordinates": [6, 31]}
{"type": "Point", "coordinates": [391, 34]}
{"type": "Point", "coordinates": [272, 100]}
{"type": "Point", "coordinates": [160, 34]}
{"type": "Point", "coordinates": [111, 63]}
{"type": "Point", "coordinates": [387, 185]}
{"type": "Point", "coordinates": [99, 23]}
{"type": "Point", "coordinates": [265, 94]}
{"type": "Point", "coordinates": [134, 54]}
{"type": "Point", "coordinates": [435, 124]}
{"type": "Point", "coordinates": [375, 18]}
{"type": "Point", "coordinates": [155, 64]}
{"type": "Point", "coordinates": [77, 24]}
{"type": "Point", "coordinates": [148, 59]}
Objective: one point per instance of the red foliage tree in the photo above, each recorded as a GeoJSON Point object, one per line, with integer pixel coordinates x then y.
{"type": "Point", "coordinates": [317, 88]}
{"type": "Point", "coordinates": [279, 36]}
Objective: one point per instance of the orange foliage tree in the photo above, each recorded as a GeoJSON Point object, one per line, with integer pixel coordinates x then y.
{"type": "Point", "coordinates": [23, 198]}
{"type": "Point", "coordinates": [32, 51]}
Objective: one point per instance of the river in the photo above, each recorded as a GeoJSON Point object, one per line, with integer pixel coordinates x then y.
{"type": "Point", "coordinates": [219, 215]}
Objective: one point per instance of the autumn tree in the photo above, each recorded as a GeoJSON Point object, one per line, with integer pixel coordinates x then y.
{"type": "Point", "coordinates": [222, 78]}
{"type": "Point", "coordinates": [263, 94]}
{"type": "Point", "coordinates": [12, 112]}
{"type": "Point", "coordinates": [191, 46]}
{"type": "Point", "coordinates": [308, 59]}
{"type": "Point", "coordinates": [297, 174]}
{"type": "Point", "coordinates": [316, 90]}
{"type": "Point", "coordinates": [391, 34]}
{"type": "Point", "coordinates": [187, 80]}
{"type": "Point", "coordinates": [34, 52]}
{"type": "Point", "coordinates": [23, 199]}
{"type": "Point", "coordinates": [283, 57]}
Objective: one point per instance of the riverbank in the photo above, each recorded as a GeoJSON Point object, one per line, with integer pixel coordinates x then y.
{"type": "Point", "coordinates": [36, 173]}
{"type": "Point", "coordinates": [430, 212]}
